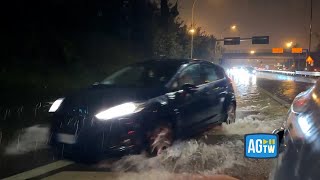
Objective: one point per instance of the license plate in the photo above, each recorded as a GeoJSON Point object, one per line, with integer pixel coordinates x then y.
{"type": "Point", "coordinates": [66, 138]}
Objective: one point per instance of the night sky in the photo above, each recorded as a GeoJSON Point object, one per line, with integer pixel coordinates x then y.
{"type": "Point", "coordinates": [282, 20]}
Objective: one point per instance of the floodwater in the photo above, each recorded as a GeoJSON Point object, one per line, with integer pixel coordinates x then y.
{"type": "Point", "coordinates": [220, 151]}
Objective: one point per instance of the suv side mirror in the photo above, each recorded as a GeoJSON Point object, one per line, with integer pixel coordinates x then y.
{"type": "Point", "coordinates": [189, 88]}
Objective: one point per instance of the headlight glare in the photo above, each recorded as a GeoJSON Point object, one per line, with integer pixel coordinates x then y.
{"type": "Point", "coordinates": [118, 111]}
{"type": "Point", "coordinates": [55, 106]}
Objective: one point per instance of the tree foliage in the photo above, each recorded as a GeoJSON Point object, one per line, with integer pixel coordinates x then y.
{"type": "Point", "coordinates": [204, 45]}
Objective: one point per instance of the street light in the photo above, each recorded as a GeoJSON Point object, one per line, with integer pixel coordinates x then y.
{"type": "Point", "coordinates": [234, 27]}
{"type": "Point", "coordinates": [192, 31]}
{"type": "Point", "coordinates": [252, 52]}
{"type": "Point", "coordinates": [289, 44]}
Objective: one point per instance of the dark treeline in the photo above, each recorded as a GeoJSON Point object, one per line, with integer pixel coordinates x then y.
{"type": "Point", "coordinates": [74, 42]}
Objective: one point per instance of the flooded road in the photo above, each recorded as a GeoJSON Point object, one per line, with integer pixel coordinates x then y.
{"type": "Point", "coordinates": [220, 151]}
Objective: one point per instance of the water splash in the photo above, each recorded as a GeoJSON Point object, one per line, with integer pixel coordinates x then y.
{"type": "Point", "coordinates": [6, 114]}
{"type": "Point", "coordinates": [220, 153]}
{"type": "Point", "coordinates": [252, 124]}
{"type": "Point", "coordinates": [0, 137]}
{"type": "Point", "coordinates": [19, 111]}
{"type": "Point", "coordinates": [28, 140]}
{"type": "Point", "coordinates": [38, 106]}
{"type": "Point", "coordinates": [187, 157]}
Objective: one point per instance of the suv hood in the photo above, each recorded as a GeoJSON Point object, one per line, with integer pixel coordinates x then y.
{"type": "Point", "coordinates": [100, 97]}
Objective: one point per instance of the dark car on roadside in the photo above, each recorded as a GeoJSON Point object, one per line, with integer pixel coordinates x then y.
{"type": "Point", "coordinates": [143, 106]}
{"type": "Point", "coordinates": [299, 139]}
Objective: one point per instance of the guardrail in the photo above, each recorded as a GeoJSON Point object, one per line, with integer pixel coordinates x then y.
{"type": "Point", "coordinates": [308, 73]}
{"type": "Point", "coordinates": [301, 73]}
{"type": "Point", "coordinates": [280, 72]}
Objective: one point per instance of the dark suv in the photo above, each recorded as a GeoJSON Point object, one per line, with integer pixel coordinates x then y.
{"type": "Point", "coordinates": [144, 106]}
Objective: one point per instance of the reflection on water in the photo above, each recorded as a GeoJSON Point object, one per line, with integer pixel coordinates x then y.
{"type": "Point", "coordinates": [284, 77]}
{"type": "Point", "coordinates": [247, 80]}
{"type": "Point", "coordinates": [244, 82]}
{"type": "Point", "coordinates": [289, 89]}
{"type": "Point", "coordinates": [284, 87]}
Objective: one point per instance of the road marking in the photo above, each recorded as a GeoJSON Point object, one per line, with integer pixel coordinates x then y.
{"type": "Point", "coordinates": [40, 170]}
{"type": "Point", "coordinates": [84, 175]}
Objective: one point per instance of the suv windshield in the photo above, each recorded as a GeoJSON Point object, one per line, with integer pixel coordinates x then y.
{"type": "Point", "coordinates": [141, 75]}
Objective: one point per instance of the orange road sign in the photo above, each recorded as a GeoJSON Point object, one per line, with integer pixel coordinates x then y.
{"type": "Point", "coordinates": [309, 60]}
{"type": "Point", "coordinates": [277, 50]}
{"type": "Point", "coordinates": [297, 50]}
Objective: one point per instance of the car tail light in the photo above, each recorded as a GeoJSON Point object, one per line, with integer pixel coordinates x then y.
{"type": "Point", "coordinates": [131, 132]}
{"type": "Point", "coordinates": [300, 102]}
{"type": "Point", "coordinates": [299, 105]}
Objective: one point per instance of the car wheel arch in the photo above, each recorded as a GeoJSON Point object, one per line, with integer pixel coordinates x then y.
{"type": "Point", "coordinates": [229, 100]}
{"type": "Point", "coordinates": [159, 114]}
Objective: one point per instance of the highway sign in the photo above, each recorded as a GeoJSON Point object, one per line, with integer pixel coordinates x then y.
{"type": "Point", "coordinates": [260, 40]}
{"type": "Point", "coordinates": [309, 60]}
{"type": "Point", "coordinates": [232, 41]}
{"type": "Point", "coordinates": [277, 50]}
{"type": "Point", "coordinates": [296, 50]}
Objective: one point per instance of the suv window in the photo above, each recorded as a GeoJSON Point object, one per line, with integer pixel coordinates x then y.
{"type": "Point", "coordinates": [209, 73]}
{"type": "Point", "coordinates": [190, 75]}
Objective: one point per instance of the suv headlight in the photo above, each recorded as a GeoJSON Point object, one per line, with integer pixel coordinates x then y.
{"type": "Point", "coordinates": [55, 106]}
{"type": "Point", "coordinates": [118, 111]}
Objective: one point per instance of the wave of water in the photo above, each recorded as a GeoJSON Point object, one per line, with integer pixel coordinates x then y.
{"type": "Point", "coordinates": [29, 139]}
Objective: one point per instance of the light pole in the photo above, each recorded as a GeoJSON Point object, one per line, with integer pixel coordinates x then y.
{"type": "Point", "coordinates": [192, 30]}
{"type": "Point", "coordinates": [232, 27]}
{"type": "Point", "coordinates": [310, 33]}
{"type": "Point", "coordinates": [289, 45]}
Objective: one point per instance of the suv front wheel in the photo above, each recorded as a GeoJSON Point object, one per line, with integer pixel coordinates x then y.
{"type": "Point", "coordinates": [160, 139]}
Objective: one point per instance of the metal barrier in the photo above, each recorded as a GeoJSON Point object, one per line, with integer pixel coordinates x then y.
{"type": "Point", "coordinates": [302, 73]}
{"type": "Point", "coordinates": [308, 73]}
{"type": "Point", "coordinates": [280, 72]}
